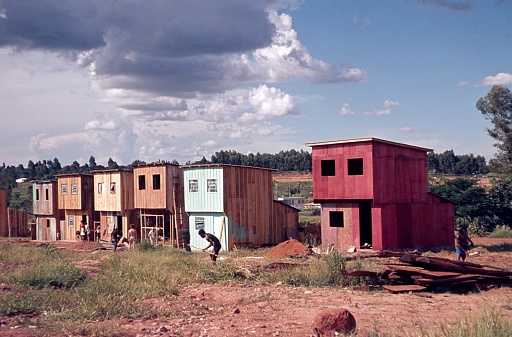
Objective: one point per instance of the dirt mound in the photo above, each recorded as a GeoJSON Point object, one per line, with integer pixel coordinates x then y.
{"type": "Point", "coordinates": [290, 248]}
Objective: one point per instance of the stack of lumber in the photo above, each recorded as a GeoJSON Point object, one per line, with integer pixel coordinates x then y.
{"type": "Point", "coordinates": [413, 272]}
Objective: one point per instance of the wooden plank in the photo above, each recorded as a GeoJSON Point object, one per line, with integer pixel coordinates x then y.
{"type": "Point", "coordinates": [395, 289]}
{"type": "Point", "coordinates": [354, 272]}
{"type": "Point", "coordinates": [450, 266]}
{"type": "Point", "coordinates": [428, 273]}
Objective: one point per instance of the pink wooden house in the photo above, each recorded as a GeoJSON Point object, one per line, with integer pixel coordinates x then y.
{"type": "Point", "coordinates": [374, 193]}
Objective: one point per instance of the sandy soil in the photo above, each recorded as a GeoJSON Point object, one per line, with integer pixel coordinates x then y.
{"type": "Point", "coordinates": [278, 310]}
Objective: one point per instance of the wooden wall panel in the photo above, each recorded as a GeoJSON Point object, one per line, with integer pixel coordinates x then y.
{"type": "Point", "coordinates": [44, 206]}
{"type": "Point", "coordinates": [4, 223]}
{"type": "Point", "coordinates": [113, 198]}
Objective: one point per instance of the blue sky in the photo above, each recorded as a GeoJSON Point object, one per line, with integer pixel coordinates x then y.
{"type": "Point", "coordinates": [182, 79]}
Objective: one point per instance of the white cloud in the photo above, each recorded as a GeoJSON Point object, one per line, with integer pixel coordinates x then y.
{"type": "Point", "coordinates": [498, 79]}
{"type": "Point", "coordinates": [405, 129]}
{"type": "Point", "coordinates": [387, 103]}
{"type": "Point", "coordinates": [386, 110]}
{"type": "Point", "coordinates": [286, 58]}
{"type": "Point", "coordinates": [346, 110]}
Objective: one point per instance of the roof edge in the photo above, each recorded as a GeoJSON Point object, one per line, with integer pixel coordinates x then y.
{"type": "Point", "coordinates": [370, 139]}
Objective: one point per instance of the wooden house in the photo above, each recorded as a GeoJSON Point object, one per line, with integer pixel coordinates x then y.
{"type": "Point", "coordinates": [158, 198]}
{"type": "Point", "coordinates": [236, 204]}
{"type": "Point", "coordinates": [45, 209]}
{"type": "Point", "coordinates": [76, 200]}
{"type": "Point", "coordinates": [114, 200]}
{"type": "Point", "coordinates": [374, 193]}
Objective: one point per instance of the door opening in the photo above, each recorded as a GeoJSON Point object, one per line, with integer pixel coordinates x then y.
{"type": "Point", "coordinates": [365, 224]}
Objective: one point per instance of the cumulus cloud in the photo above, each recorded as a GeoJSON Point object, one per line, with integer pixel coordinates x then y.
{"type": "Point", "coordinates": [268, 102]}
{"type": "Point", "coordinates": [172, 71]}
{"type": "Point", "coordinates": [385, 110]}
{"type": "Point", "coordinates": [498, 79]}
{"type": "Point", "coordinates": [346, 110]}
{"type": "Point", "coordinates": [287, 58]}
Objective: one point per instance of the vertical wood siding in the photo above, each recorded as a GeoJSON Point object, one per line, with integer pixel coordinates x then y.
{"type": "Point", "coordinates": [244, 200]}
{"type": "Point", "coordinates": [122, 199]}
{"type": "Point", "coordinates": [43, 206]}
{"type": "Point", "coordinates": [395, 181]}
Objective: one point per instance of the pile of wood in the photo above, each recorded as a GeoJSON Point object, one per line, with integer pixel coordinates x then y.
{"type": "Point", "coordinates": [413, 272]}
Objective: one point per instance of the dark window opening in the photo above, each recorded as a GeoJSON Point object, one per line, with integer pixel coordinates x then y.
{"type": "Point", "coordinates": [328, 168]}
{"type": "Point", "coordinates": [156, 181]}
{"type": "Point", "coordinates": [47, 223]}
{"type": "Point", "coordinates": [336, 219]}
{"type": "Point", "coordinates": [47, 194]}
{"type": "Point", "coordinates": [142, 182]}
{"type": "Point", "coordinates": [37, 194]}
{"type": "Point", "coordinates": [355, 167]}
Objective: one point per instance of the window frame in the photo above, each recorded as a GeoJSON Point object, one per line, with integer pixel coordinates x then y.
{"type": "Point", "coordinates": [211, 185]}
{"type": "Point", "coordinates": [193, 185]}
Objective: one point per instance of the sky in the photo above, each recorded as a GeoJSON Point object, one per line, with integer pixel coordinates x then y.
{"type": "Point", "coordinates": [182, 79]}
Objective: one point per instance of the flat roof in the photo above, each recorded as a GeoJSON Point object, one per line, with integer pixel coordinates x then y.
{"type": "Point", "coordinates": [228, 165]}
{"type": "Point", "coordinates": [371, 139]}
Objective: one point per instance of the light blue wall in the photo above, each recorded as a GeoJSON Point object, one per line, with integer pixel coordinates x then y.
{"type": "Point", "coordinates": [212, 224]}
{"type": "Point", "coordinates": [202, 200]}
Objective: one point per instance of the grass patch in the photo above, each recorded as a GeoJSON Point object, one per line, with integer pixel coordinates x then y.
{"type": "Point", "coordinates": [501, 232]}
{"type": "Point", "coordinates": [488, 324]}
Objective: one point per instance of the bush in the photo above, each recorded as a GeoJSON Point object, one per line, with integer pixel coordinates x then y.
{"type": "Point", "coordinates": [501, 232]}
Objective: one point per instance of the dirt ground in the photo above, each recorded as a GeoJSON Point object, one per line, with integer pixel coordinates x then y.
{"type": "Point", "coordinates": [278, 310]}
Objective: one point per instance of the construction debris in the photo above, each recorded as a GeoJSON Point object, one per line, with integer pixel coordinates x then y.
{"type": "Point", "coordinates": [414, 273]}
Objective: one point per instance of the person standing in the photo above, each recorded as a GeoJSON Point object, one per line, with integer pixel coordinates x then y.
{"type": "Point", "coordinates": [462, 243]}
{"type": "Point", "coordinates": [152, 236]}
{"type": "Point", "coordinates": [82, 231]}
{"type": "Point", "coordinates": [114, 237]}
{"type": "Point", "coordinates": [213, 242]}
{"type": "Point", "coordinates": [132, 237]}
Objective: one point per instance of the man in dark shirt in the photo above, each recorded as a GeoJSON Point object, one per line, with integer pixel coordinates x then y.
{"type": "Point", "coordinates": [213, 241]}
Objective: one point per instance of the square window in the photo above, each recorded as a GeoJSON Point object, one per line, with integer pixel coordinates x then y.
{"type": "Point", "coordinates": [193, 185]}
{"type": "Point", "coordinates": [156, 181]}
{"type": "Point", "coordinates": [199, 223]}
{"type": "Point", "coordinates": [74, 189]}
{"type": "Point", "coordinates": [328, 168]}
{"type": "Point", "coordinates": [142, 182]}
{"type": "Point", "coordinates": [212, 185]}
{"type": "Point", "coordinates": [355, 167]}
{"type": "Point", "coordinates": [336, 219]}
{"type": "Point", "coordinates": [64, 189]}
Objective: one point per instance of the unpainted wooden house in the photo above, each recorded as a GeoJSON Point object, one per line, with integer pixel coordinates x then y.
{"type": "Point", "coordinates": [45, 209]}
{"type": "Point", "coordinates": [158, 199]}
{"type": "Point", "coordinates": [374, 193]}
{"type": "Point", "coordinates": [12, 222]}
{"type": "Point", "coordinates": [76, 200]}
{"type": "Point", "coordinates": [114, 200]}
{"type": "Point", "coordinates": [236, 204]}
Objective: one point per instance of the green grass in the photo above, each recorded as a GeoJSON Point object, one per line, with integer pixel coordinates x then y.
{"type": "Point", "coordinates": [501, 232]}
{"type": "Point", "coordinates": [49, 288]}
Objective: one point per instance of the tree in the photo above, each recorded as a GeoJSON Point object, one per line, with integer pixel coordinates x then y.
{"type": "Point", "coordinates": [112, 164]}
{"type": "Point", "coordinates": [497, 107]}
{"type": "Point", "coordinates": [473, 206]}
{"type": "Point", "coordinates": [501, 196]}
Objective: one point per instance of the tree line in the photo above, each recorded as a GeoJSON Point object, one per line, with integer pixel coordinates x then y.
{"type": "Point", "coordinates": [284, 161]}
